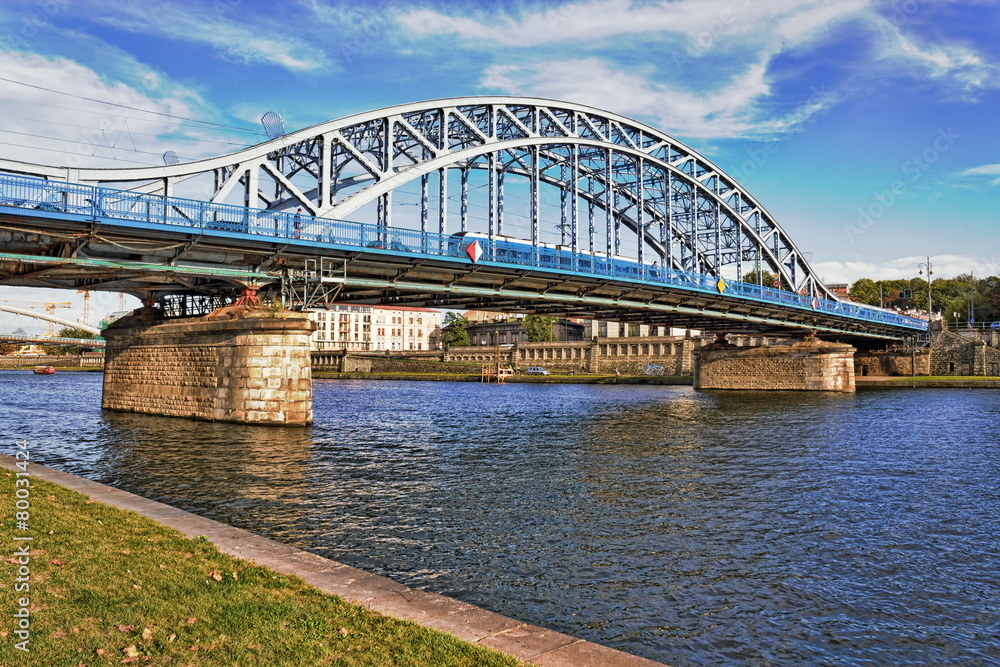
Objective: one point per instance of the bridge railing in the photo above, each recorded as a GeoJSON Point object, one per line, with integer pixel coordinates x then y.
{"type": "Point", "coordinates": [125, 208]}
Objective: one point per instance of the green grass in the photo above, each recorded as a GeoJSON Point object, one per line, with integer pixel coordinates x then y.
{"type": "Point", "coordinates": [109, 586]}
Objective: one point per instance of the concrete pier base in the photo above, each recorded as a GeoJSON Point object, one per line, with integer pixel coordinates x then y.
{"type": "Point", "coordinates": [234, 365]}
{"type": "Point", "coordinates": [810, 365]}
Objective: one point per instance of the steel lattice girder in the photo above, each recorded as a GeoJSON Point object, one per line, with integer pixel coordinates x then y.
{"type": "Point", "coordinates": [675, 201]}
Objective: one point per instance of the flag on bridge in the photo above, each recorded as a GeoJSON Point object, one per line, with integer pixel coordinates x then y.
{"type": "Point", "coordinates": [475, 252]}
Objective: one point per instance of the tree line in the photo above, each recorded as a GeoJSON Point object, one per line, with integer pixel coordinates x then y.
{"type": "Point", "coordinates": [454, 333]}
{"type": "Point", "coordinates": [959, 300]}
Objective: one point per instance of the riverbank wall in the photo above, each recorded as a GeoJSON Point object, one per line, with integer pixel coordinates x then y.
{"type": "Point", "coordinates": [659, 355]}
{"type": "Point", "coordinates": [528, 643]}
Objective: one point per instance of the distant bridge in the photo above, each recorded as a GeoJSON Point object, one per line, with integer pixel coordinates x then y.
{"type": "Point", "coordinates": [49, 317]}
{"type": "Point", "coordinates": [91, 343]}
{"type": "Point", "coordinates": [646, 229]}
{"type": "Point", "coordinates": [35, 339]}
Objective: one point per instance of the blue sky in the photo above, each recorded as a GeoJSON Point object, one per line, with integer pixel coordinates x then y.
{"type": "Point", "coordinates": [868, 129]}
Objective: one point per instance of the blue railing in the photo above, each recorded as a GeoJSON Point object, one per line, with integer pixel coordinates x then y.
{"type": "Point", "coordinates": [124, 208]}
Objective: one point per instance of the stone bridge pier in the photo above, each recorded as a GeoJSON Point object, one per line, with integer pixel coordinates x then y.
{"type": "Point", "coordinates": [235, 365]}
{"type": "Point", "coordinates": [811, 364]}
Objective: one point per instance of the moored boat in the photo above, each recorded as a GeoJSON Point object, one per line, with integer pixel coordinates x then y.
{"type": "Point", "coordinates": [43, 370]}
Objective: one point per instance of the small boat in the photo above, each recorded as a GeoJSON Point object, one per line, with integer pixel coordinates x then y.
{"type": "Point", "coordinates": [43, 370]}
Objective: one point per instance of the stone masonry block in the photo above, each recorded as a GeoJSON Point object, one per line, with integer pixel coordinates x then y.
{"type": "Point", "coordinates": [230, 370]}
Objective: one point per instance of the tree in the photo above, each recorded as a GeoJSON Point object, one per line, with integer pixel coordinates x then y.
{"type": "Point", "coordinates": [539, 328]}
{"type": "Point", "coordinates": [68, 332]}
{"type": "Point", "coordinates": [865, 290]}
{"type": "Point", "coordinates": [759, 277]}
{"type": "Point", "coordinates": [454, 332]}
{"type": "Point", "coordinates": [8, 348]}
{"type": "Point", "coordinates": [990, 289]}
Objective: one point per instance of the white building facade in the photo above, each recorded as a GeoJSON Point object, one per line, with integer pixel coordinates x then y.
{"type": "Point", "coordinates": [357, 327]}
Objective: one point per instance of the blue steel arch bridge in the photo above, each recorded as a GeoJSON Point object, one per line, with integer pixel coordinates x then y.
{"type": "Point", "coordinates": [494, 203]}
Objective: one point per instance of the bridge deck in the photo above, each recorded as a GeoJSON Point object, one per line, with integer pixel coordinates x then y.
{"type": "Point", "coordinates": [74, 236]}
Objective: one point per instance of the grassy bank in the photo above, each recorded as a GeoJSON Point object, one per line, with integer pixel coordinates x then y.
{"type": "Point", "coordinates": [112, 587]}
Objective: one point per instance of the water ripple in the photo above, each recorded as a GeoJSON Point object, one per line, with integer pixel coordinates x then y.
{"type": "Point", "coordinates": [692, 528]}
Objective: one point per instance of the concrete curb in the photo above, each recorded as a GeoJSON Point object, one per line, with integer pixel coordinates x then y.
{"type": "Point", "coordinates": [528, 643]}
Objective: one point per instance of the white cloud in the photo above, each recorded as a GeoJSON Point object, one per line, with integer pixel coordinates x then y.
{"type": "Point", "coordinates": [726, 106]}
{"type": "Point", "coordinates": [220, 30]}
{"type": "Point", "coordinates": [704, 22]}
{"type": "Point", "coordinates": [944, 266]}
{"type": "Point", "coordinates": [724, 113]}
{"type": "Point", "coordinates": [713, 35]}
{"type": "Point", "coordinates": [953, 64]}
{"type": "Point", "coordinates": [989, 170]}
{"type": "Point", "coordinates": [50, 128]}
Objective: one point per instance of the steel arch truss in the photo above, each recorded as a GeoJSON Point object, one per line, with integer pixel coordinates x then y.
{"type": "Point", "coordinates": [621, 183]}
{"type": "Point", "coordinates": [46, 317]}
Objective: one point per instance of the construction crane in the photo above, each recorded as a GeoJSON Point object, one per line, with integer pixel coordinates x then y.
{"type": "Point", "coordinates": [50, 308]}
{"type": "Point", "coordinates": [86, 305]}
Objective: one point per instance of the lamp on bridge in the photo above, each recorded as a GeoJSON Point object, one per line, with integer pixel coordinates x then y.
{"type": "Point", "coordinates": [930, 272]}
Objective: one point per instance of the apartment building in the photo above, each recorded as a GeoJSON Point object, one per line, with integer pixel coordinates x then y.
{"type": "Point", "coordinates": [357, 327]}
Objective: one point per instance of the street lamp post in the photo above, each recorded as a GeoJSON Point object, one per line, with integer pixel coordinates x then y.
{"type": "Point", "coordinates": [972, 302]}
{"type": "Point", "coordinates": [930, 273]}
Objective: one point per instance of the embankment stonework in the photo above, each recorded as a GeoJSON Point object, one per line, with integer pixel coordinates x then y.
{"type": "Point", "coordinates": [606, 356]}
{"type": "Point", "coordinates": [600, 356]}
{"type": "Point", "coordinates": [808, 365]}
{"type": "Point", "coordinates": [954, 354]}
{"type": "Point", "coordinates": [253, 369]}
{"type": "Point", "coordinates": [88, 360]}
{"type": "Point", "coordinates": [397, 363]}
{"type": "Point", "coordinates": [895, 363]}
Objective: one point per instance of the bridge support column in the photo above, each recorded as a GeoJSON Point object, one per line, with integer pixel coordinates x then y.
{"type": "Point", "coordinates": [236, 365]}
{"type": "Point", "coordinates": [811, 365]}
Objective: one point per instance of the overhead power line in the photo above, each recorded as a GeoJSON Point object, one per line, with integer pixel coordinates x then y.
{"type": "Point", "coordinates": [56, 150]}
{"type": "Point", "coordinates": [125, 106]}
{"type": "Point", "coordinates": [175, 137]}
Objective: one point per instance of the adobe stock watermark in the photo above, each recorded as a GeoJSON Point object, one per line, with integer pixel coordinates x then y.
{"type": "Point", "coordinates": [898, 13]}
{"type": "Point", "coordinates": [95, 138]}
{"type": "Point", "coordinates": [913, 169]}
{"type": "Point", "coordinates": [819, 96]}
{"type": "Point", "coordinates": [710, 34]}
{"type": "Point", "coordinates": [223, 7]}
{"type": "Point", "coordinates": [374, 27]}
{"type": "Point", "coordinates": [22, 547]}
{"type": "Point", "coordinates": [34, 22]}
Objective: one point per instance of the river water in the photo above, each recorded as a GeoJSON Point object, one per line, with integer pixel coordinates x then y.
{"type": "Point", "coordinates": [691, 528]}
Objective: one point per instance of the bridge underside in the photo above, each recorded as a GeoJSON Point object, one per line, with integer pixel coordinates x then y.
{"type": "Point", "coordinates": [157, 263]}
